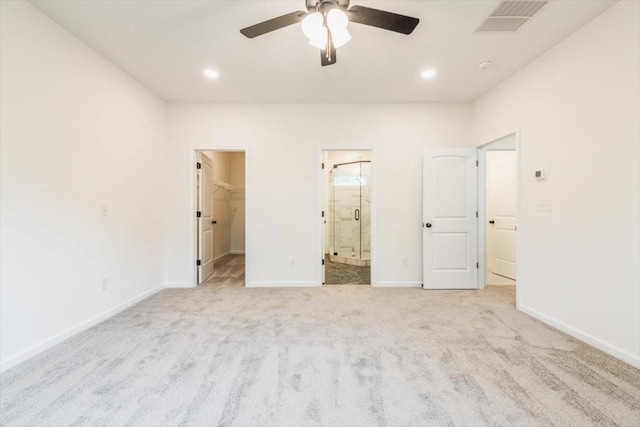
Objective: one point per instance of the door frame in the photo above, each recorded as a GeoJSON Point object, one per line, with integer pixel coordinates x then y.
{"type": "Point", "coordinates": [509, 142]}
{"type": "Point", "coordinates": [193, 207]}
{"type": "Point", "coordinates": [320, 231]}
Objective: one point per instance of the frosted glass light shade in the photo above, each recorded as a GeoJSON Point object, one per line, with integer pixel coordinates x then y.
{"type": "Point", "coordinates": [320, 38]}
{"type": "Point", "coordinates": [340, 37]}
{"type": "Point", "coordinates": [337, 20]}
{"type": "Point", "coordinates": [312, 24]}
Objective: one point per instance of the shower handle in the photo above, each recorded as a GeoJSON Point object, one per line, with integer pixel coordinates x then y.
{"type": "Point", "coordinates": [357, 214]}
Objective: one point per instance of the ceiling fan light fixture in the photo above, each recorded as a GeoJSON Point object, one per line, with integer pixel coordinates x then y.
{"type": "Point", "coordinates": [312, 24]}
{"type": "Point", "coordinates": [337, 20]}
{"type": "Point", "coordinates": [316, 28]}
{"type": "Point", "coordinates": [340, 37]}
{"type": "Point", "coordinates": [320, 38]}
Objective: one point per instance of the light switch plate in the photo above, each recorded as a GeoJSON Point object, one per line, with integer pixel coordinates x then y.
{"type": "Point", "coordinates": [541, 174]}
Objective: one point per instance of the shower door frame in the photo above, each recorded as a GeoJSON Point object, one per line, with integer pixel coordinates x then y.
{"type": "Point", "coordinates": [322, 187]}
{"type": "Point", "coordinates": [359, 218]}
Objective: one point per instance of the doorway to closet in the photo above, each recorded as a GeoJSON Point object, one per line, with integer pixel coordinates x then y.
{"type": "Point", "coordinates": [220, 217]}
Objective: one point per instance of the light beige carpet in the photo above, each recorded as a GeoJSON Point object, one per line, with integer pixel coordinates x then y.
{"type": "Point", "coordinates": [222, 354]}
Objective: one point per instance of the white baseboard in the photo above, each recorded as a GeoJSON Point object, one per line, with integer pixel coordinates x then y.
{"type": "Point", "coordinates": [12, 361]}
{"type": "Point", "coordinates": [177, 285]}
{"type": "Point", "coordinates": [582, 336]}
{"type": "Point", "coordinates": [231, 252]}
{"type": "Point", "coordinates": [406, 284]}
{"type": "Point", "coordinates": [220, 256]}
{"type": "Point", "coordinates": [281, 284]}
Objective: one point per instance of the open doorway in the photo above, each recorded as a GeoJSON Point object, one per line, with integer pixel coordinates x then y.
{"type": "Point", "coordinates": [498, 207]}
{"type": "Point", "coordinates": [347, 217]}
{"type": "Point", "coordinates": [501, 215]}
{"type": "Point", "coordinates": [220, 217]}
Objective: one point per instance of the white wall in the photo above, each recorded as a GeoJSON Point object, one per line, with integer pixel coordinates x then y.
{"type": "Point", "coordinates": [76, 133]}
{"type": "Point", "coordinates": [283, 202]}
{"type": "Point", "coordinates": [577, 108]}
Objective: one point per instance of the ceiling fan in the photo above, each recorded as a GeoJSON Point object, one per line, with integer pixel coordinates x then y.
{"type": "Point", "coordinates": [325, 24]}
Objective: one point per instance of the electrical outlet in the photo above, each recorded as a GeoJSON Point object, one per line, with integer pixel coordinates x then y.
{"type": "Point", "coordinates": [105, 210]}
{"type": "Point", "coordinates": [104, 283]}
{"type": "Point", "coordinates": [544, 205]}
{"type": "Point", "coordinates": [292, 262]}
{"type": "Point", "coordinates": [405, 262]}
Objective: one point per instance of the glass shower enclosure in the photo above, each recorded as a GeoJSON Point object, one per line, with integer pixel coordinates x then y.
{"type": "Point", "coordinates": [350, 213]}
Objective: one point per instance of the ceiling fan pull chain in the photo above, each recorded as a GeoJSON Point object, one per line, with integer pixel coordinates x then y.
{"type": "Point", "coordinates": [327, 48]}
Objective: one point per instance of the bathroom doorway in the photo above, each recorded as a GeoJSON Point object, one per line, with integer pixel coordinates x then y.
{"type": "Point", "coordinates": [347, 217]}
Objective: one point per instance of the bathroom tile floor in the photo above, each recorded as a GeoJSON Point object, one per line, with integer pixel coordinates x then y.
{"type": "Point", "coordinates": [341, 274]}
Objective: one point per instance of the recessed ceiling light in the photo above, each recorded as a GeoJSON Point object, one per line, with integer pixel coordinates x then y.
{"type": "Point", "coordinates": [429, 73]}
{"type": "Point", "coordinates": [211, 74]}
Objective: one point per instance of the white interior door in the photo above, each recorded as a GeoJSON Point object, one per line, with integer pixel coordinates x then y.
{"type": "Point", "coordinates": [205, 221]}
{"type": "Point", "coordinates": [450, 226]}
{"type": "Point", "coordinates": [501, 209]}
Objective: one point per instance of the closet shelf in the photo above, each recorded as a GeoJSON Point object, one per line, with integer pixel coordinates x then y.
{"type": "Point", "coordinates": [224, 185]}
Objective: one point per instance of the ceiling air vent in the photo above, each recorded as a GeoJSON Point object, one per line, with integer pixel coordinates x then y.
{"type": "Point", "coordinates": [510, 15]}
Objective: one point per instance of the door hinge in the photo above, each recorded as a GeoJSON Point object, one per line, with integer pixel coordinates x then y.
{"type": "Point", "coordinates": [322, 262]}
{"type": "Point", "coordinates": [477, 265]}
{"type": "Point", "coordinates": [476, 163]}
{"type": "Point", "coordinates": [198, 214]}
{"type": "Point", "coordinates": [198, 165]}
{"type": "Point", "coordinates": [476, 214]}
{"type": "Point", "coordinates": [322, 214]}
{"type": "Point", "coordinates": [198, 262]}
{"type": "Point", "coordinates": [323, 166]}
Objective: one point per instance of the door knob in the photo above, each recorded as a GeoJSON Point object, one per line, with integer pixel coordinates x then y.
{"type": "Point", "coordinates": [492, 222]}
{"type": "Point", "coordinates": [428, 225]}
{"type": "Point", "coordinates": [214, 222]}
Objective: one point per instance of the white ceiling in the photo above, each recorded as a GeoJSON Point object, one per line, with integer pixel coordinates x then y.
{"type": "Point", "coordinates": [166, 45]}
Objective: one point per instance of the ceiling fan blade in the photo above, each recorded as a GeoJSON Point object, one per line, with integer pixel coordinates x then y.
{"type": "Point", "coordinates": [273, 24]}
{"type": "Point", "coordinates": [382, 19]}
{"type": "Point", "coordinates": [328, 55]}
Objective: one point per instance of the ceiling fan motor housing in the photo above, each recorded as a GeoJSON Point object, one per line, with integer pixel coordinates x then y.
{"type": "Point", "coordinates": [318, 5]}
